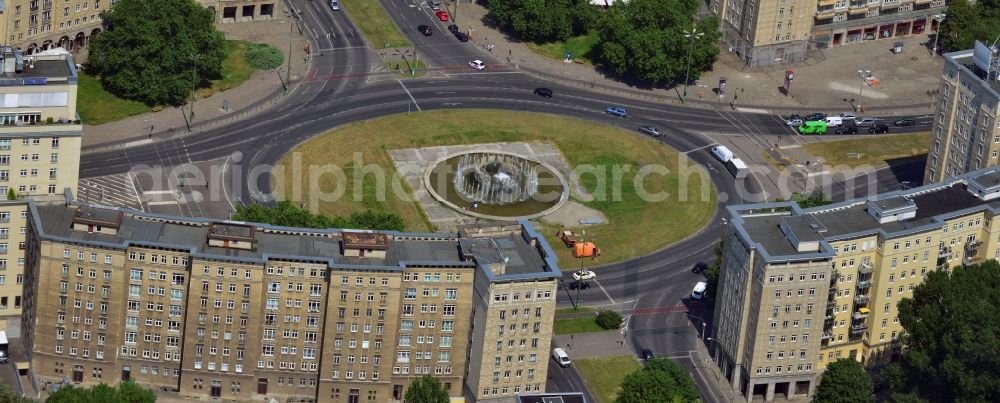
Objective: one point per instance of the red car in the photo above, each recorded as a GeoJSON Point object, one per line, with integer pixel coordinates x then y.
{"type": "Point", "coordinates": [442, 15]}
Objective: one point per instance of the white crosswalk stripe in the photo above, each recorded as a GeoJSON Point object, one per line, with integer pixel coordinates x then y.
{"type": "Point", "coordinates": [113, 190]}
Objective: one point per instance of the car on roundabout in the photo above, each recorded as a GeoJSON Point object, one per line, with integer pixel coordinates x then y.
{"type": "Point", "coordinates": [794, 122]}
{"type": "Point", "coordinates": [477, 64]}
{"type": "Point", "coordinates": [617, 111]}
{"type": "Point", "coordinates": [584, 274]}
{"type": "Point", "coordinates": [651, 130]}
{"type": "Point", "coordinates": [581, 285]}
{"type": "Point", "coordinates": [847, 130]}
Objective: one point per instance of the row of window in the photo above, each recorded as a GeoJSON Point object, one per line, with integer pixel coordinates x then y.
{"type": "Point", "coordinates": [777, 278]}
{"type": "Point", "coordinates": [517, 296]}
{"type": "Point", "coordinates": [505, 390]}
{"type": "Point", "coordinates": [788, 369]}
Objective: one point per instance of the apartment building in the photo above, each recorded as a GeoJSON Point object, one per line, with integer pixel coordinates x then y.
{"type": "Point", "coordinates": [241, 311]}
{"type": "Point", "coordinates": [842, 22]}
{"type": "Point", "coordinates": [768, 32]}
{"type": "Point", "coordinates": [966, 128]}
{"type": "Point", "coordinates": [40, 136]}
{"type": "Point", "coordinates": [36, 25]}
{"type": "Point", "coordinates": [800, 288]}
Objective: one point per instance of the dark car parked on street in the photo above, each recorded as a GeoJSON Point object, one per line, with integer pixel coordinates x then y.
{"type": "Point", "coordinates": [815, 116]}
{"type": "Point", "coordinates": [878, 128]}
{"type": "Point", "coordinates": [583, 285]}
{"type": "Point", "coordinates": [904, 122]}
{"type": "Point", "coordinates": [847, 130]}
{"type": "Point", "coordinates": [699, 268]}
{"type": "Point", "coordinates": [462, 37]}
{"type": "Point", "coordinates": [542, 91]}
{"type": "Point", "coordinates": [425, 30]}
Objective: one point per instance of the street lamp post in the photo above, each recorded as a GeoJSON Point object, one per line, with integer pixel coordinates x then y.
{"type": "Point", "coordinates": [863, 74]}
{"type": "Point", "coordinates": [937, 33]}
{"type": "Point", "coordinates": [692, 35]}
{"type": "Point", "coordinates": [704, 333]}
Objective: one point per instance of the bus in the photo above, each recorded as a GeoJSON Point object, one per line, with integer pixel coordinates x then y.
{"type": "Point", "coordinates": [4, 355]}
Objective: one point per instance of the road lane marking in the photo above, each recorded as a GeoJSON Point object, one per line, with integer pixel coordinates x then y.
{"type": "Point", "coordinates": [408, 93]}
{"type": "Point", "coordinates": [605, 292]}
{"type": "Point", "coordinates": [699, 148]}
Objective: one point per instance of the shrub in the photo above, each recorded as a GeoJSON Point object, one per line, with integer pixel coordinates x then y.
{"type": "Point", "coordinates": [264, 57]}
{"type": "Point", "coordinates": [609, 320]}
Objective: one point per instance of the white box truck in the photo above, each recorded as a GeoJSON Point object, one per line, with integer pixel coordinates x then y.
{"type": "Point", "coordinates": [738, 168]}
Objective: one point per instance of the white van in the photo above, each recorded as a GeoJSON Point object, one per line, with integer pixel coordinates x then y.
{"type": "Point", "coordinates": [699, 290]}
{"type": "Point", "coordinates": [834, 121]}
{"type": "Point", "coordinates": [722, 153]}
{"type": "Point", "coordinates": [561, 357]}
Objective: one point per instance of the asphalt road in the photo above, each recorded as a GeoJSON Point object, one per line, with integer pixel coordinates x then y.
{"type": "Point", "coordinates": [344, 88]}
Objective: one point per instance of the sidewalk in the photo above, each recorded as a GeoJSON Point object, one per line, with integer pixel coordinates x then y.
{"type": "Point", "coordinates": [262, 90]}
{"type": "Point", "coordinates": [827, 81]}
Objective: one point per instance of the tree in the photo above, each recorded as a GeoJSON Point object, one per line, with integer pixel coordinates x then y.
{"type": "Point", "coordinates": [286, 214]}
{"type": "Point", "coordinates": [154, 51]}
{"type": "Point", "coordinates": [815, 199]}
{"type": "Point", "coordinates": [11, 194]}
{"type": "Point", "coordinates": [609, 319]}
{"type": "Point", "coordinates": [264, 57]}
{"type": "Point", "coordinates": [125, 392]}
{"type": "Point", "coordinates": [951, 350]}
{"type": "Point", "coordinates": [845, 381]}
{"type": "Point", "coordinates": [966, 22]}
{"type": "Point", "coordinates": [7, 395]}
{"type": "Point", "coordinates": [644, 39]}
{"type": "Point", "coordinates": [661, 380]}
{"type": "Point", "coordinates": [426, 389]}
{"type": "Point", "coordinates": [543, 20]}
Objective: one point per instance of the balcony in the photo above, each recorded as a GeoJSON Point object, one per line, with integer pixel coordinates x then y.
{"type": "Point", "coordinates": [865, 268]}
{"type": "Point", "coordinates": [827, 335]}
{"type": "Point", "coordinates": [864, 284]}
{"type": "Point", "coordinates": [858, 328]}
{"type": "Point", "coordinates": [861, 313]}
{"type": "Point", "coordinates": [861, 300]}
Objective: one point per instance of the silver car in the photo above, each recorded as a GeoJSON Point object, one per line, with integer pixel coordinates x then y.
{"type": "Point", "coordinates": [795, 122]}
{"type": "Point", "coordinates": [865, 122]}
{"type": "Point", "coordinates": [651, 130]}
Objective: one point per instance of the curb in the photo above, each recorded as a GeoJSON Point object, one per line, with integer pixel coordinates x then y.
{"type": "Point", "coordinates": [702, 104]}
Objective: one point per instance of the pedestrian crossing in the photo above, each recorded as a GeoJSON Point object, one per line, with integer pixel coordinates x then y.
{"type": "Point", "coordinates": [117, 190]}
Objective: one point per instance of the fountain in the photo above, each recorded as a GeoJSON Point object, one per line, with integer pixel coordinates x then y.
{"type": "Point", "coordinates": [496, 185]}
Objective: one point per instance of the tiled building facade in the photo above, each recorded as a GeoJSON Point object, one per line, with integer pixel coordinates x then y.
{"type": "Point", "coordinates": [40, 136]}
{"type": "Point", "coordinates": [966, 129]}
{"type": "Point", "coordinates": [254, 312]}
{"type": "Point", "coordinates": [768, 32]}
{"type": "Point", "coordinates": [802, 288]}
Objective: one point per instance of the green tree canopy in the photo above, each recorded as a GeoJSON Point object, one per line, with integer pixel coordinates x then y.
{"type": "Point", "coordinates": [967, 22]}
{"type": "Point", "coordinates": [845, 381]}
{"type": "Point", "coordinates": [154, 49]}
{"type": "Point", "coordinates": [660, 381]}
{"type": "Point", "coordinates": [644, 39]}
{"type": "Point", "coordinates": [810, 200]}
{"type": "Point", "coordinates": [284, 213]}
{"type": "Point", "coordinates": [543, 20]}
{"type": "Point", "coordinates": [951, 345]}
{"type": "Point", "coordinates": [125, 392]}
{"type": "Point", "coordinates": [426, 389]}
{"type": "Point", "coordinates": [609, 319]}
{"type": "Point", "coordinates": [264, 57]}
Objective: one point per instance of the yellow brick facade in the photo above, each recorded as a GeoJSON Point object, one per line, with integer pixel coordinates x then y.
{"type": "Point", "coordinates": [243, 324]}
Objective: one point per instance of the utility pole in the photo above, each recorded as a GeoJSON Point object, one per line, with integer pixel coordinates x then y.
{"type": "Point", "coordinates": [692, 35]}
{"type": "Point", "coordinates": [861, 87]}
{"type": "Point", "coordinates": [194, 85]}
{"type": "Point", "coordinates": [288, 63]}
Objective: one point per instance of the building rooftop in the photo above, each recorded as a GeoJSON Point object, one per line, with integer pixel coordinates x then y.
{"type": "Point", "coordinates": [523, 250]}
{"type": "Point", "coordinates": [569, 397]}
{"type": "Point", "coordinates": [964, 58]}
{"type": "Point", "coordinates": [761, 224]}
